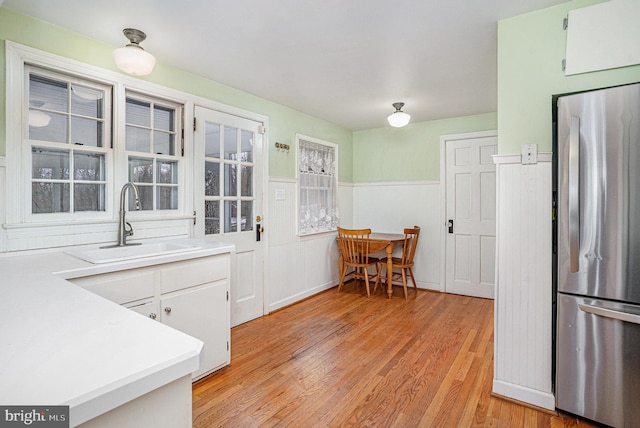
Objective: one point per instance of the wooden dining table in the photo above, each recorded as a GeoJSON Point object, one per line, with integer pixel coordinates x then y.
{"type": "Point", "coordinates": [386, 242]}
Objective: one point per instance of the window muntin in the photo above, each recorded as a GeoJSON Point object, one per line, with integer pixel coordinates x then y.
{"type": "Point", "coordinates": [153, 152]}
{"type": "Point", "coordinates": [62, 111]}
{"type": "Point", "coordinates": [151, 126]}
{"type": "Point", "coordinates": [317, 186]}
{"type": "Point", "coordinates": [69, 138]}
{"type": "Point", "coordinates": [229, 175]}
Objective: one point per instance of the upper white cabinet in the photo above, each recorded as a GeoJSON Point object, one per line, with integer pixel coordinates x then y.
{"type": "Point", "coordinates": [191, 296]}
{"type": "Point", "coordinates": [603, 36]}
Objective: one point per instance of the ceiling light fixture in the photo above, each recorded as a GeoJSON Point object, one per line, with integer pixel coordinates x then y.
{"type": "Point", "coordinates": [132, 58]}
{"type": "Point", "coordinates": [398, 118]}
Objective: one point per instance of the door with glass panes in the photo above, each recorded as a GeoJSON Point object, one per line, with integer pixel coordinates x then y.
{"type": "Point", "coordinates": [228, 201]}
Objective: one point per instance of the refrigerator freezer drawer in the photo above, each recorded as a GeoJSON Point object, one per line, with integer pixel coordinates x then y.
{"type": "Point", "coordinates": [597, 365]}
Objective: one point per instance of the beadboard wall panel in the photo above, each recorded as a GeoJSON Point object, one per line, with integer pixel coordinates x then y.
{"type": "Point", "coordinates": [299, 267]}
{"type": "Point", "coordinates": [523, 301]}
{"type": "Point", "coordinates": [390, 207]}
{"type": "Point", "coordinates": [3, 202]}
{"type": "Point", "coordinates": [302, 266]}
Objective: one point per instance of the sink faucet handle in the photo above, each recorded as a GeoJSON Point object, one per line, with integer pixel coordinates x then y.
{"type": "Point", "coordinates": [128, 230]}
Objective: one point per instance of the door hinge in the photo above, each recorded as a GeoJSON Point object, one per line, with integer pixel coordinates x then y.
{"type": "Point", "coordinates": [194, 124]}
{"type": "Point", "coordinates": [565, 23]}
{"type": "Point", "coordinates": [227, 296]}
{"type": "Point", "coordinates": [194, 218]}
{"type": "Point", "coordinates": [227, 345]}
{"type": "Point", "coordinates": [564, 64]}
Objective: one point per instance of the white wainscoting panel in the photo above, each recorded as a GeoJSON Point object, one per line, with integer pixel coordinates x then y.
{"type": "Point", "coordinates": [345, 204]}
{"type": "Point", "coordinates": [298, 267]}
{"type": "Point", "coordinates": [3, 202]}
{"type": "Point", "coordinates": [390, 207]}
{"type": "Point", "coordinates": [523, 300]}
{"type": "Point", "coordinates": [280, 225]}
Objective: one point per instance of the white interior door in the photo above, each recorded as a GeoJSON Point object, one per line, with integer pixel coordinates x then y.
{"type": "Point", "coordinates": [228, 200]}
{"type": "Point", "coordinates": [471, 216]}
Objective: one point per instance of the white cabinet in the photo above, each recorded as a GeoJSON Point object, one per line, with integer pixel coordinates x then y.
{"type": "Point", "coordinates": [202, 313]}
{"type": "Point", "coordinates": [191, 296]}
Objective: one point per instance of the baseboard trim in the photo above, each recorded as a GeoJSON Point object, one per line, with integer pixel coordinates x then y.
{"type": "Point", "coordinates": [529, 405]}
{"type": "Point", "coordinates": [300, 296]}
{"type": "Point", "coordinates": [543, 400]}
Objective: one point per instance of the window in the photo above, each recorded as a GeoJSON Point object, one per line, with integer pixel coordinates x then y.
{"type": "Point", "coordinates": [69, 141]}
{"type": "Point", "coordinates": [229, 175]}
{"type": "Point", "coordinates": [71, 153]}
{"type": "Point", "coordinates": [153, 151]}
{"type": "Point", "coordinates": [75, 133]}
{"type": "Point", "coordinates": [317, 186]}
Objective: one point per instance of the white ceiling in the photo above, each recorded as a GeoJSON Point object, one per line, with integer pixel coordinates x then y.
{"type": "Point", "coordinates": [345, 61]}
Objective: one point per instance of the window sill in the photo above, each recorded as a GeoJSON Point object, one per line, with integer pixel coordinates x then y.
{"type": "Point", "coordinates": [28, 225]}
{"type": "Point", "coordinates": [316, 234]}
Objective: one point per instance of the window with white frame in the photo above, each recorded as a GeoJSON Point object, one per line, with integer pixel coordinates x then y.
{"type": "Point", "coordinates": [153, 151]}
{"type": "Point", "coordinates": [71, 159]}
{"type": "Point", "coordinates": [317, 183]}
{"type": "Point", "coordinates": [68, 142]}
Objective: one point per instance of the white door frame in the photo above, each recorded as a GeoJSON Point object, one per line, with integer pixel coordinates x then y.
{"type": "Point", "coordinates": [224, 108]}
{"type": "Point", "coordinates": [443, 194]}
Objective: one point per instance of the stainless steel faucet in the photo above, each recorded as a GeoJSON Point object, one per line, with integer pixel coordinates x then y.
{"type": "Point", "coordinates": [123, 230]}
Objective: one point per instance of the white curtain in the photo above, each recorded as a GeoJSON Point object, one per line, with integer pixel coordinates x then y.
{"type": "Point", "coordinates": [317, 183]}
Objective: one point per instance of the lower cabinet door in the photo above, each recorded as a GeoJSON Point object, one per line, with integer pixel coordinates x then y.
{"type": "Point", "coordinates": [202, 313]}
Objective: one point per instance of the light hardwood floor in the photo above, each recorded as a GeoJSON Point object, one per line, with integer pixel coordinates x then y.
{"type": "Point", "coordinates": [340, 359]}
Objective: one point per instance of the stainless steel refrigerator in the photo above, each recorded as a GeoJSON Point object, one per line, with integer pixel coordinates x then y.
{"type": "Point", "coordinates": [597, 247]}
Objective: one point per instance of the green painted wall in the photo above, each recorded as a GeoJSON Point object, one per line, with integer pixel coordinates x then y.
{"type": "Point", "coordinates": [284, 122]}
{"type": "Point", "coordinates": [409, 153]}
{"type": "Point", "coordinates": [531, 48]}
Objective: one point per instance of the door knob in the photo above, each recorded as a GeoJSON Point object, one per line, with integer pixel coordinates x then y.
{"type": "Point", "coordinates": [167, 309]}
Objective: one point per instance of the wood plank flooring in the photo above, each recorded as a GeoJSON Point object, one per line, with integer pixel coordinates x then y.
{"type": "Point", "coordinates": [340, 359]}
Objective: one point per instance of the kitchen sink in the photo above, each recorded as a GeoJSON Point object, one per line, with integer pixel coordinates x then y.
{"type": "Point", "coordinates": [128, 252]}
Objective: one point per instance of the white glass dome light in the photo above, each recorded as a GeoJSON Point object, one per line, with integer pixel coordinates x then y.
{"type": "Point", "coordinates": [132, 58]}
{"type": "Point", "coordinates": [398, 118]}
{"type": "Point", "coordinates": [38, 119]}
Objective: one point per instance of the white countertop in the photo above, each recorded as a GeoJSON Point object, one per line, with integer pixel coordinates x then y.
{"type": "Point", "coordinates": [62, 345]}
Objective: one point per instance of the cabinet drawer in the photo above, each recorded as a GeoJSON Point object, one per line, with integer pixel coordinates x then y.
{"type": "Point", "coordinates": [120, 287]}
{"type": "Point", "coordinates": [190, 273]}
{"type": "Point", "coordinates": [146, 308]}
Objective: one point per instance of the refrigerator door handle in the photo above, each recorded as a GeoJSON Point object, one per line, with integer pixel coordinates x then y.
{"type": "Point", "coordinates": [610, 313]}
{"type": "Point", "coordinates": [574, 195]}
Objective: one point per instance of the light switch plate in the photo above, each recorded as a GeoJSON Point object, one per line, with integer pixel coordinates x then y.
{"type": "Point", "coordinates": [529, 154]}
{"type": "Point", "coordinates": [280, 195]}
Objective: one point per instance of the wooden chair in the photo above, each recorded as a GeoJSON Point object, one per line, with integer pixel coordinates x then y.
{"type": "Point", "coordinates": [405, 263]}
{"type": "Point", "coordinates": [354, 251]}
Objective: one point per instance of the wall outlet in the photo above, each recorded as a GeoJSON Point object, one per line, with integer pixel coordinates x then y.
{"type": "Point", "coordinates": [529, 154]}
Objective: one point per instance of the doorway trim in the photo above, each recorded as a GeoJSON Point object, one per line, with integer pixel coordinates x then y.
{"type": "Point", "coordinates": [443, 194]}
